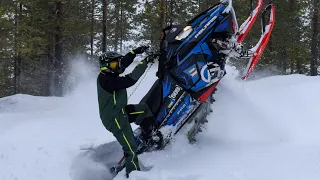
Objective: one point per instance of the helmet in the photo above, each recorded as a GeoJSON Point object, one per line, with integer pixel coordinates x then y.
{"type": "Point", "coordinates": [110, 61]}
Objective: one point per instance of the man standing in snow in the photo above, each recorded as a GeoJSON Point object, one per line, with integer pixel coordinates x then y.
{"type": "Point", "coordinates": [115, 114]}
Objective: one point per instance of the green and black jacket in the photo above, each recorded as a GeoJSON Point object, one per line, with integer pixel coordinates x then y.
{"type": "Point", "coordinates": [112, 93]}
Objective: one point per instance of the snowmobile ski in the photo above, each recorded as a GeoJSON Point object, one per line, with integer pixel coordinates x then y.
{"type": "Point", "coordinates": [257, 51]}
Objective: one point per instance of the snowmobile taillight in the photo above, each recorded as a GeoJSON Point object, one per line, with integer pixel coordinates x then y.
{"type": "Point", "coordinates": [185, 33]}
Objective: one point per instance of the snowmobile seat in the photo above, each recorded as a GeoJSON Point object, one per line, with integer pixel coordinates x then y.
{"type": "Point", "coordinates": [154, 97]}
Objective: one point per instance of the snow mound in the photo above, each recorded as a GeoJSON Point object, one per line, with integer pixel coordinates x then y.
{"type": "Point", "coordinates": [22, 103]}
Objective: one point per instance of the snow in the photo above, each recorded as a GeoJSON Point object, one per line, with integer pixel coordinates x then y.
{"type": "Point", "coordinates": [266, 129]}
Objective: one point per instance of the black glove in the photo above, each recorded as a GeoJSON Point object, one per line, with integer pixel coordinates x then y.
{"type": "Point", "coordinates": [150, 59]}
{"type": "Point", "coordinates": [140, 50]}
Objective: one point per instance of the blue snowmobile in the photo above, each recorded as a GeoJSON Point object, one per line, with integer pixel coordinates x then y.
{"type": "Point", "coordinates": [182, 96]}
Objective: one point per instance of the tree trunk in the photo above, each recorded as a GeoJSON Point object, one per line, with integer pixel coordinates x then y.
{"type": "Point", "coordinates": [104, 25]}
{"type": "Point", "coordinates": [50, 73]}
{"type": "Point", "coordinates": [171, 12]}
{"type": "Point", "coordinates": [291, 66]}
{"type": "Point", "coordinates": [299, 66]}
{"type": "Point", "coordinates": [162, 18]}
{"type": "Point", "coordinates": [15, 48]}
{"type": "Point", "coordinates": [50, 53]}
{"type": "Point", "coordinates": [17, 57]}
{"type": "Point", "coordinates": [315, 39]}
{"type": "Point", "coordinates": [58, 63]}
{"type": "Point", "coordinates": [162, 14]}
{"type": "Point", "coordinates": [293, 34]}
{"type": "Point", "coordinates": [285, 62]}
{"type": "Point", "coordinates": [166, 18]}
{"type": "Point", "coordinates": [92, 28]}
{"type": "Point", "coordinates": [121, 27]}
{"type": "Point", "coordinates": [116, 30]}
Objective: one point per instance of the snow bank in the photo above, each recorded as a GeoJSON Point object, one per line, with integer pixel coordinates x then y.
{"type": "Point", "coordinates": [21, 103]}
{"type": "Point", "coordinates": [267, 129]}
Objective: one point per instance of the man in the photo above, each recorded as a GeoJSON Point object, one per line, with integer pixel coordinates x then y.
{"type": "Point", "coordinates": [115, 114]}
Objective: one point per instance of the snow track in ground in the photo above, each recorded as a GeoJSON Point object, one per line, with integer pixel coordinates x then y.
{"type": "Point", "coordinates": [267, 129]}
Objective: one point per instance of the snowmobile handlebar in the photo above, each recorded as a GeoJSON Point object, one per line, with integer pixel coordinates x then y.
{"type": "Point", "coordinates": [152, 54]}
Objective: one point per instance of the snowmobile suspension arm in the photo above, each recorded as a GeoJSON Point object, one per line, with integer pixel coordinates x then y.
{"type": "Point", "coordinates": [234, 48]}
{"type": "Point", "coordinates": [261, 45]}
{"type": "Point", "coordinates": [246, 26]}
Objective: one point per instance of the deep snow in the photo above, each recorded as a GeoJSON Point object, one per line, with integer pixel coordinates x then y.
{"type": "Point", "coordinates": [268, 129]}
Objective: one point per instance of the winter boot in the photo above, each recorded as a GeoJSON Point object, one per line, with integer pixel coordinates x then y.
{"type": "Point", "coordinates": [151, 134]}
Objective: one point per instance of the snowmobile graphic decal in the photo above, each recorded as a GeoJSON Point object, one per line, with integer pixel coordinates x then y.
{"type": "Point", "coordinates": [184, 108]}
{"type": "Point", "coordinates": [166, 85]}
{"type": "Point", "coordinates": [171, 93]}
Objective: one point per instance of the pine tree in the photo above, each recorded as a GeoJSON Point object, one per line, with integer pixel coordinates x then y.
{"type": "Point", "coordinates": [150, 24]}
{"type": "Point", "coordinates": [180, 12]}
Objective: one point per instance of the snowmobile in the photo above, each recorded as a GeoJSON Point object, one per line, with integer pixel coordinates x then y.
{"type": "Point", "coordinates": [183, 93]}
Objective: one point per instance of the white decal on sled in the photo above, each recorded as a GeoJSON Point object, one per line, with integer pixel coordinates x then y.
{"type": "Point", "coordinates": [208, 79]}
{"type": "Point", "coordinates": [193, 72]}
{"type": "Point", "coordinates": [175, 93]}
{"type": "Point", "coordinates": [180, 110]}
{"type": "Point", "coordinates": [206, 26]}
{"type": "Point", "coordinates": [214, 74]}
